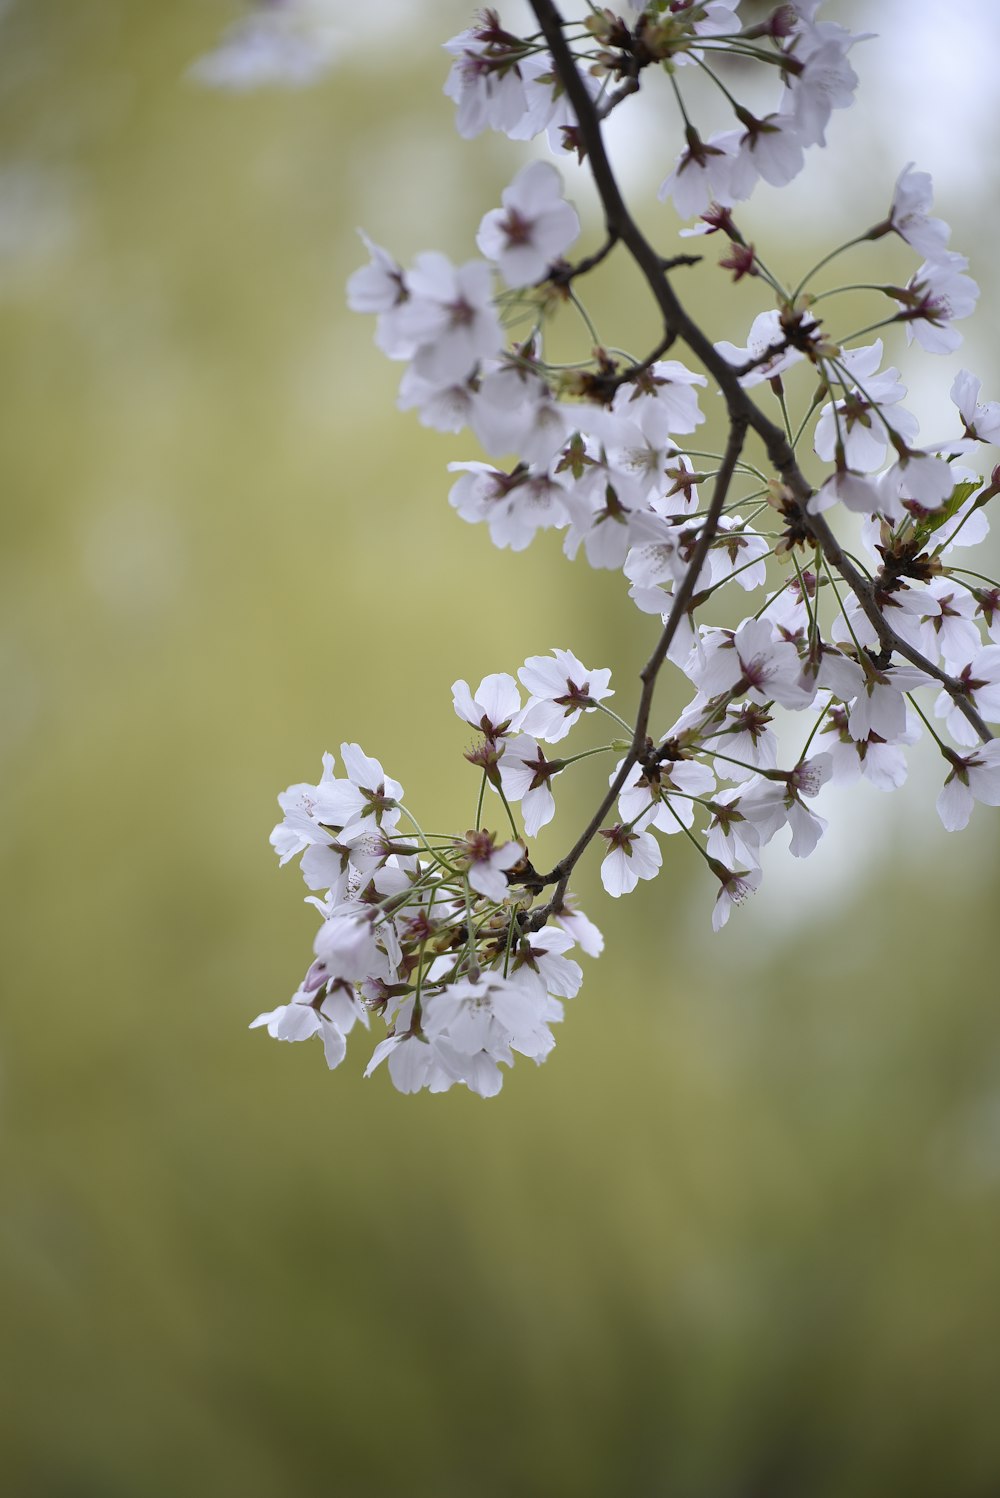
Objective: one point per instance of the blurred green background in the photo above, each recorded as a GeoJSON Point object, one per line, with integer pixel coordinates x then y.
{"type": "Point", "coordinates": [739, 1236]}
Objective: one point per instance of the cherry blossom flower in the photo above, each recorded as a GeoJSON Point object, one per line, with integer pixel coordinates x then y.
{"type": "Point", "coordinates": [302, 822]}
{"type": "Point", "coordinates": [546, 105]}
{"type": "Point", "coordinates": [449, 317]}
{"type": "Point", "coordinates": [488, 864]}
{"type": "Point", "coordinates": [533, 228]}
{"type": "Point", "coordinates": [908, 216]}
{"type": "Point", "coordinates": [446, 408]}
{"type": "Point", "coordinates": [345, 946]}
{"type": "Point", "coordinates": [936, 296]}
{"type": "Point", "coordinates": [378, 286]}
{"type": "Point", "coordinates": [608, 516]}
{"type": "Point", "coordinates": [631, 856]}
{"type": "Point", "coordinates": [918, 478]}
{"type": "Point", "coordinates": [880, 707]}
{"type": "Point", "coordinates": [525, 774]}
{"type": "Point", "coordinates": [856, 424]}
{"type": "Point", "coordinates": [660, 558]}
{"type": "Point", "coordinates": [766, 332]}
{"type": "Point", "coordinates": [416, 1061]}
{"type": "Point", "coordinates": [703, 173]}
{"type": "Point", "coordinates": [580, 927]}
{"type": "Point", "coordinates": [648, 790]}
{"type": "Point", "coordinates": [515, 411]}
{"type": "Point", "coordinates": [485, 83]}
{"type": "Point", "coordinates": [849, 489]}
{"type": "Point", "coordinates": [367, 800]}
{"type": "Point", "coordinates": [317, 1008]}
{"type": "Point", "coordinates": [746, 737]}
{"type": "Point", "coordinates": [477, 1023]}
{"type": "Point", "coordinates": [735, 888]}
{"type": "Point", "coordinates": [770, 149]}
{"type": "Point", "coordinates": [561, 688]}
{"type": "Point", "coordinates": [493, 709]}
{"type": "Point", "coordinates": [738, 552]}
{"type": "Point", "coordinates": [974, 777]}
{"type": "Point", "coordinates": [540, 962]}
{"type": "Point", "coordinates": [732, 839]}
{"type": "Point", "coordinates": [826, 81]}
{"type": "Point", "coordinates": [948, 628]}
{"type": "Point", "coordinates": [514, 506]}
{"type": "Point", "coordinates": [770, 804]}
{"type": "Point", "coordinates": [980, 419]}
{"type": "Point", "coordinates": [979, 679]}
{"type": "Point", "coordinates": [881, 763]}
{"type": "Point", "coordinates": [752, 660]}
{"type": "Point", "coordinates": [663, 400]}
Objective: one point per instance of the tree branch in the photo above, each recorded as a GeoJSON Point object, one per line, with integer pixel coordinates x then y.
{"type": "Point", "coordinates": [678, 324]}
{"type": "Point", "coordinates": [682, 596]}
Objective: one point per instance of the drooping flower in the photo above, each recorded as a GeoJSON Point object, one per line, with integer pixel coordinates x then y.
{"type": "Point", "coordinates": [631, 856]}
{"type": "Point", "coordinates": [974, 777]}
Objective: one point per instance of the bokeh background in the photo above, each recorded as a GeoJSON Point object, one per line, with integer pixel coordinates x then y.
{"type": "Point", "coordinates": [740, 1235]}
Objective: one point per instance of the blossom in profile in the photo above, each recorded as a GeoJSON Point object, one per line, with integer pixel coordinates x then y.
{"type": "Point", "coordinates": [909, 215]}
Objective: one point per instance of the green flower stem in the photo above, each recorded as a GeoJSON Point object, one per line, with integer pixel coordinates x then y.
{"type": "Point", "coordinates": [945, 750]}
{"type": "Point", "coordinates": [736, 572]}
{"type": "Point", "coordinates": [847, 245]}
{"type": "Point", "coordinates": [595, 336]}
{"type": "Point", "coordinates": [847, 382]}
{"type": "Point", "coordinates": [742, 466]}
{"type": "Point", "coordinates": [872, 327]}
{"type": "Point", "coordinates": [768, 601]}
{"type": "Point", "coordinates": [991, 582]}
{"type": "Point", "coordinates": [435, 855]}
{"type": "Point", "coordinates": [510, 939]}
{"type": "Point", "coordinates": [689, 834]}
{"type": "Point", "coordinates": [718, 754]}
{"type": "Point", "coordinates": [740, 48]}
{"type": "Point", "coordinates": [586, 754]}
{"type": "Point", "coordinates": [612, 714]}
{"type": "Point", "coordinates": [812, 733]}
{"type": "Point", "coordinates": [680, 102]}
{"type": "Point", "coordinates": [812, 407]}
{"type": "Point", "coordinates": [510, 814]}
{"type": "Point", "coordinates": [840, 605]}
{"type": "Point", "coordinates": [804, 593]}
{"type": "Point", "coordinates": [473, 962]}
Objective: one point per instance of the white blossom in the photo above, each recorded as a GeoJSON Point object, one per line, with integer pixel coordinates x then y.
{"type": "Point", "coordinates": [632, 855]}
{"type": "Point", "coordinates": [908, 216]}
{"type": "Point", "coordinates": [561, 688]}
{"type": "Point", "coordinates": [534, 227]}
{"type": "Point", "coordinates": [974, 777]}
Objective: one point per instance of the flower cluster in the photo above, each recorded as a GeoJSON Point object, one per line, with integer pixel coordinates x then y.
{"type": "Point", "coordinates": [851, 650]}
{"type": "Point", "coordinates": [432, 933]}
